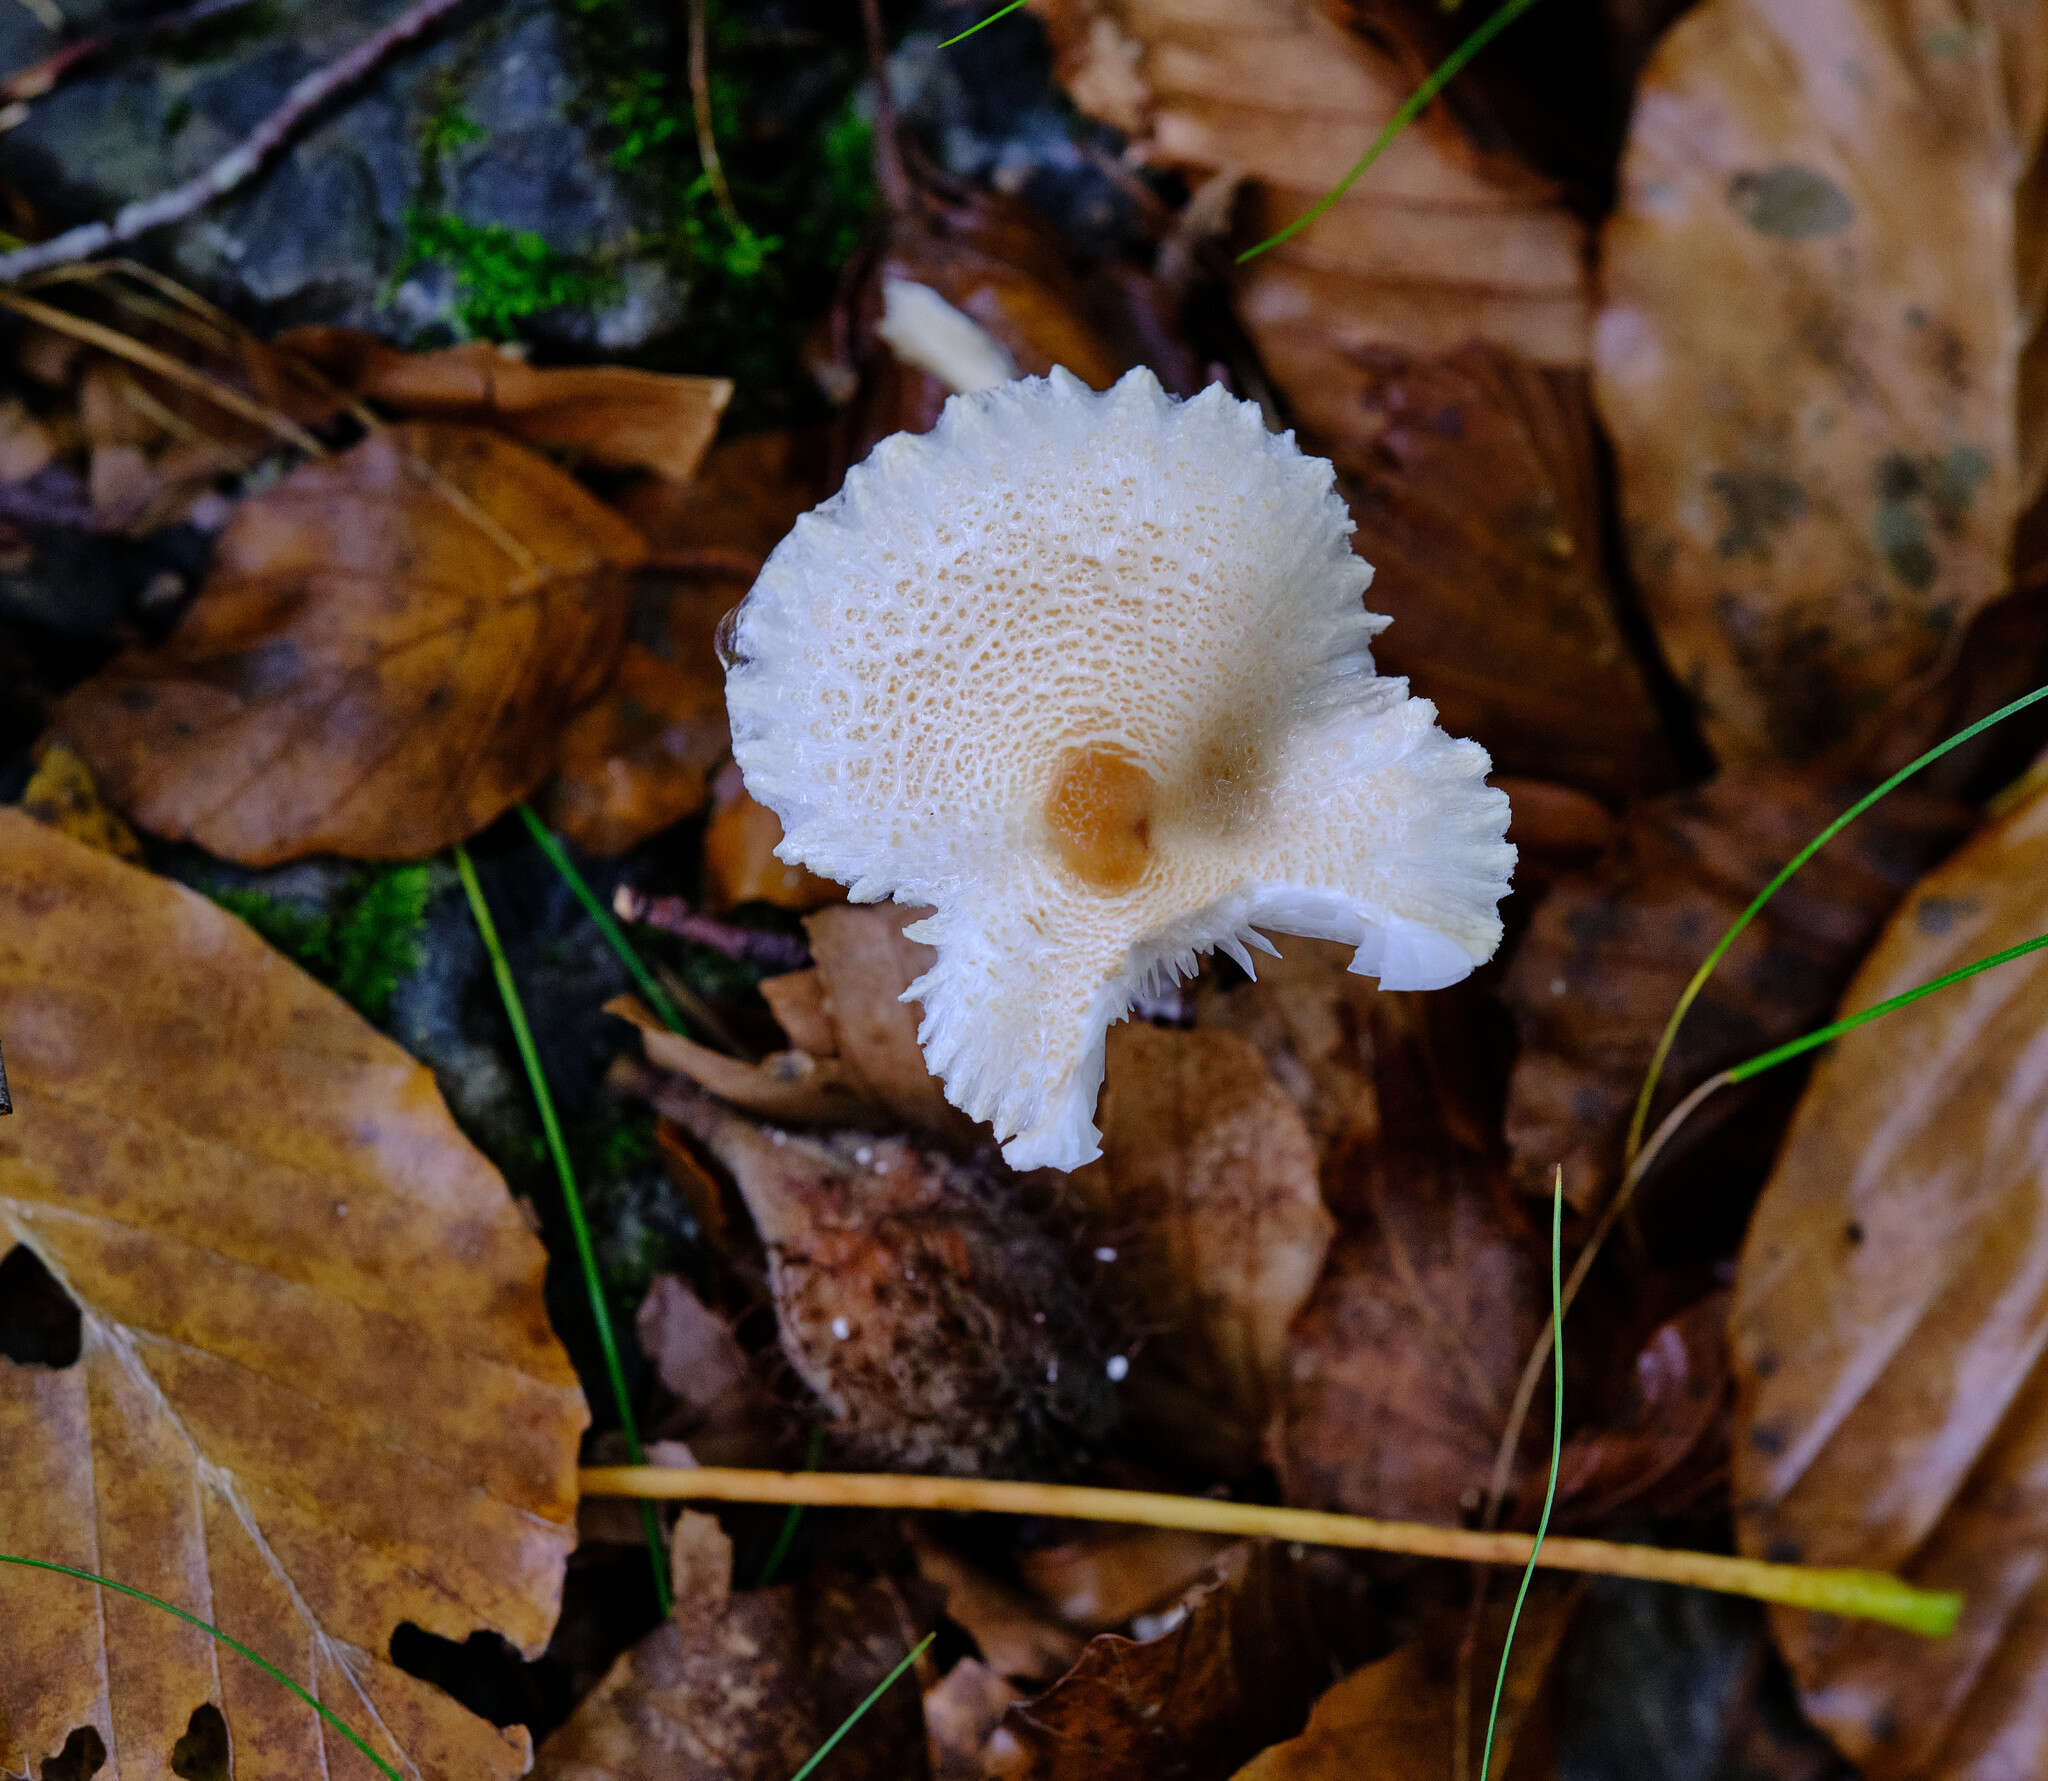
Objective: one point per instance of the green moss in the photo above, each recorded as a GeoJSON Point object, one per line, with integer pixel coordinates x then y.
{"type": "Point", "coordinates": [448, 127]}
{"type": "Point", "coordinates": [363, 947]}
{"type": "Point", "coordinates": [797, 158]}
{"type": "Point", "coordinates": [502, 275]}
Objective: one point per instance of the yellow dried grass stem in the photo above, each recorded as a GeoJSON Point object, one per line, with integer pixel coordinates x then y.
{"type": "Point", "coordinates": [1858, 1595]}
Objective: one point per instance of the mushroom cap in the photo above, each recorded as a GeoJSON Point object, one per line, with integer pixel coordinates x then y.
{"type": "Point", "coordinates": [1089, 674]}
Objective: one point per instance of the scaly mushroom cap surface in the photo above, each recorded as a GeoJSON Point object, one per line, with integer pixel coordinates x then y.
{"type": "Point", "coordinates": [1090, 676]}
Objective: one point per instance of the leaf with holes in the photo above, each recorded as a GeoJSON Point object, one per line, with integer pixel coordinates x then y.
{"type": "Point", "coordinates": [1891, 1310]}
{"type": "Point", "coordinates": [1821, 478]}
{"type": "Point", "coordinates": [380, 662]}
{"type": "Point", "coordinates": [274, 1346]}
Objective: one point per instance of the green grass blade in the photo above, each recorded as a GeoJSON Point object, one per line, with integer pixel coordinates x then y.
{"type": "Point", "coordinates": [586, 1252]}
{"type": "Point", "coordinates": [1639, 1120]}
{"type": "Point", "coordinates": [235, 1645]}
{"type": "Point", "coordinates": [1757, 1065]}
{"type": "Point", "coordinates": [558, 857]}
{"type": "Point", "coordinates": [1500, 1681]}
{"type": "Point", "coordinates": [1003, 13]}
{"type": "Point", "coordinates": [786, 1537]}
{"type": "Point", "coordinates": [852, 1719]}
{"type": "Point", "coordinates": [1413, 108]}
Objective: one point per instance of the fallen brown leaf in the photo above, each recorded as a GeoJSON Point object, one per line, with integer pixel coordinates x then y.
{"type": "Point", "coordinates": [1209, 1231]}
{"type": "Point", "coordinates": [1889, 1318]}
{"type": "Point", "coordinates": [1020, 1639]}
{"type": "Point", "coordinates": [312, 1394]}
{"type": "Point", "coordinates": [380, 661]}
{"type": "Point", "coordinates": [1406, 1355]}
{"type": "Point", "coordinates": [745, 1686]}
{"type": "Point", "coordinates": [739, 858]}
{"type": "Point", "coordinates": [1863, 428]}
{"type": "Point", "coordinates": [604, 414]}
{"type": "Point", "coordinates": [1235, 1671]}
{"type": "Point", "coordinates": [1602, 965]}
{"type": "Point", "coordinates": [936, 1321]}
{"type": "Point", "coordinates": [853, 1056]}
{"type": "Point", "coordinates": [641, 756]}
{"type": "Point", "coordinates": [1397, 1719]}
{"type": "Point", "coordinates": [1102, 1579]}
{"type": "Point", "coordinates": [1666, 1444]}
{"type": "Point", "coordinates": [1430, 335]}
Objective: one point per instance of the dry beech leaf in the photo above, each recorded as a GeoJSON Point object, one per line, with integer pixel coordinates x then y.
{"type": "Point", "coordinates": [1235, 1671]}
{"type": "Point", "coordinates": [853, 1057]}
{"type": "Point", "coordinates": [1610, 949]}
{"type": "Point", "coordinates": [642, 755]}
{"type": "Point", "coordinates": [1206, 1193]}
{"type": "Point", "coordinates": [1107, 1577]}
{"type": "Point", "coordinates": [1020, 1640]}
{"type": "Point", "coordinates": [1397, 1719]}
{"type": "Point", "coordinates": [1891, 1307]}
{"type": "Point", "coordinates": [314, 1394]}
{"type": "Point", "coordinates": [1863, 426]}
{"type": "Point", "coordinates": [1407, 1353]}
{"type": "Point", "coordinates": [1430, 335]}
{"type": "Point", "coordinates": [744, 1686]}
{"type": "Point", "coordinates": [938, 1323]}
{"type": "Point", "coordinates": [605, 414]}
{"type": "Point", "coordinates": [739, 858]}
{"type": "Point", "coordinates": [381, 660]}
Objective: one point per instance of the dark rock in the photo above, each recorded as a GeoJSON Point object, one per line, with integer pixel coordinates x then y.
{"type": "Point", "coordinates": [488, 123]}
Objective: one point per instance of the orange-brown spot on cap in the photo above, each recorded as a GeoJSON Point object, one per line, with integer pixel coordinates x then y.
{"type": "Point", "coordinates": [1100, 814]}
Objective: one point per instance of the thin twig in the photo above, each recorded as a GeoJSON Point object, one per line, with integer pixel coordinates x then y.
{"type": "Point", "coordinates": [123, 346]}
{"type": "Point", "coordinates": [240, 163]}
{"type": "Point", "coordinates": [1862, 1595]}
{"type": "Point", "coordinates": [754, 946]}
{"type": "Point", "coordinates": [42, 76]}
{"type": "Point", "coordinates": [700, 104]}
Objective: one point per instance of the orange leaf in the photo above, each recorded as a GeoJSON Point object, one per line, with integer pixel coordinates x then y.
{"type": "Point", "coordinates": [309, 1392]}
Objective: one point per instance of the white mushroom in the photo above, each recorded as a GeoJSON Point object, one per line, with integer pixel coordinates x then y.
{"type": "Point", "coordinates": [1090, 675]}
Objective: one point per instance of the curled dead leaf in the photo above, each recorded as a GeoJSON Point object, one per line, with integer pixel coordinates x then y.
{"type": "Point", "coordinates": [381, 660]}
{"type": "Point", "coordinates": [1890, 1313]}
{"type": "Point", "coordinates": [936, 1320]}
{"type": "Point", "coordinates": [1206, 1202]}
{"type": "Point", "coordinates": [605, 414]}
{"type": "Point", "coordinates": [309, 1391]}
{"type": "Point", "coordinates": [739, 857]}
{"type": "Point", "coordinates": [1864, 427]}
{"type": "Point", "coordinates": [1234, 1670]}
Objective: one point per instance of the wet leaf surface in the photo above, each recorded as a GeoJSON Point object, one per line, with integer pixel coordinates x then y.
{"type": "Point", "coordinates": [310, 1392]}
{"type": "Point", "coordinates": [1865, 426]}
{"type": "Point", "coordinates": [380, 662]}
{"type": "Point", "coordinates": [1888, 1321]}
